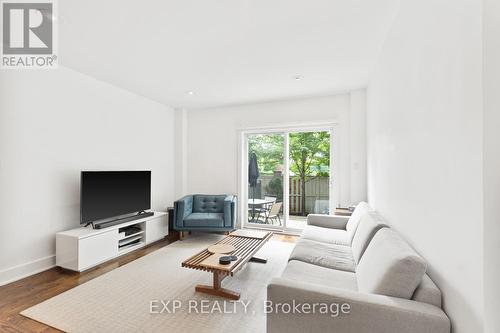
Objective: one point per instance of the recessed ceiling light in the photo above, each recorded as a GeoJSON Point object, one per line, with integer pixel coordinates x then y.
{"type": "Point", "coordinates": [190, 92]}
{"type": "Point", "coordinates": [298, 77]}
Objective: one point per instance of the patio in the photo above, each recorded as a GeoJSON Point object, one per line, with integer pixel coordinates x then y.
{"type": "Point", "coordinates": [297, 222]}
{"type": "Point", "coordinates": [288, 175]}
{"type": "Point", "coordinates": [259, 209]}
{"type": "Point", "coordinates": [294, 222]}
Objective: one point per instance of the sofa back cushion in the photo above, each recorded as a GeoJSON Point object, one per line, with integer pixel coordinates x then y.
{"type": "Point", "coordinates": [208, 203]}
{"type": "Point", "coordinates": [361, 209]}
{"type": "Point", "coordinates": [368, 226]}
{"type": "Point", "coordinates": [390, 266]}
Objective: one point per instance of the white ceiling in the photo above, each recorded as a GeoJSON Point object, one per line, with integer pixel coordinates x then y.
{"type": "Point", "coordinates": [225, 51]}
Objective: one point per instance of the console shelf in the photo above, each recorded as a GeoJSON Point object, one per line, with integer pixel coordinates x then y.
{"type": "Point", "coordinates": [83, 248]}
{"type": "Point", "coordinates": [130, 248]}
{"type": "Point", "coordinates": [127, 240]}
{"type": "Point", "coordinates": [131, 235]}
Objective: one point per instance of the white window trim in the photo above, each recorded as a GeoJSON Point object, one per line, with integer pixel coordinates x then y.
{"type": "Point", "coordinates": [331, 126]}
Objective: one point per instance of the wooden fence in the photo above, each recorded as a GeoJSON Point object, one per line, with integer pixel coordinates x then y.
{"type": "Point", "coordinates": [317, 188]}
{"type": "Point", "coordinates": [316, 192]}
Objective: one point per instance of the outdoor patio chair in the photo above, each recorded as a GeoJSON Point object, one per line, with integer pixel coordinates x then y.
{"type": "Point", "coordinates": [255, 212]}
{"type": "Point", "coordinates": [274, 212]}
{"type": "Point", "coordinates": [266, 208]}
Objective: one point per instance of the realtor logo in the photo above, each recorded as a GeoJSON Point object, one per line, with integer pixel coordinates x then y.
{"type": "Point", "coordinates": [28, 32]}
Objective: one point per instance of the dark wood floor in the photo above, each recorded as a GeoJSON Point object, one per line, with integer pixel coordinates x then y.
{"type": "Point", "coordinates": [22, 294]}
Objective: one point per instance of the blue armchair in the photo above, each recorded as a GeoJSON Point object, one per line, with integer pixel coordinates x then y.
{"type": "Point", "coordinates": [202, 212]}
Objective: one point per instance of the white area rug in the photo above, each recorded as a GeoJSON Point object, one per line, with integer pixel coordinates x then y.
{"type": "Point", "coordinates": [120, 301]}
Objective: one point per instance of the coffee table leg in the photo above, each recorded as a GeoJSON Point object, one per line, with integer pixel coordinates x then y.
{"type": "Point", "coordinates": [216, 289]}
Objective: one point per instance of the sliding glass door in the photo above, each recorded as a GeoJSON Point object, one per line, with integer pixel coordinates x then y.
{"type": "Point", "coordinates": [287, 175]}
{"type": "Point", "coordinates": [266, 159]}
{"type": "Point", "coordinates": [309, 176]}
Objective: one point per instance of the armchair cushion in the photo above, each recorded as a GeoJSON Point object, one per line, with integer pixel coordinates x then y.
{"type": "Point", "coordinates": [204, 220]}
{"type": "Point", "coordinates": [208, 203]}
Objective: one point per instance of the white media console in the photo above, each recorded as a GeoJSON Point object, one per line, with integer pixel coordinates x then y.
{"type": "Point", "coordinates": [83, 248]}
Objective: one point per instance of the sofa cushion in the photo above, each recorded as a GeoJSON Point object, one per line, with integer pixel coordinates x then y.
{"type": "Point", "coordinates": [370, 223]}
{"type": "Point", "coordinates": [326, 235]}
{"type": "Point", "coordinates": [204, 220]}
{"type": "Point", "coordinates": [328, 221]}
{"type": "Point", "coordinates": [361, 209]}
{"type": "Point", "coordinates": [390, 266]}
{"type": "Point", "coordinates": [309, 273]}
{"type": "Point", "coordinates": [427, 292]}
{"type": "Point", "coordinates": [322, 254]}
{"type": "Point", "coordinates": [208, 203]}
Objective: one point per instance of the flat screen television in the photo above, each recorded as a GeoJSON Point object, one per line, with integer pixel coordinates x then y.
{"type": "Point", "coordinates": [107, 194]}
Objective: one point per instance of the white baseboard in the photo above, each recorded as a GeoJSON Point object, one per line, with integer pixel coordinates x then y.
{"type": "Point", "coordinates": [24, 270]}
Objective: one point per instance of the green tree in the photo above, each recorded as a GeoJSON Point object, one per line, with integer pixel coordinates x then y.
{"type": "Point", "coordinates": [309, 156]}
{"type": "Point", "coordinates": [269, 151]}
{"type": "Point", "coordinates": [275, 187]}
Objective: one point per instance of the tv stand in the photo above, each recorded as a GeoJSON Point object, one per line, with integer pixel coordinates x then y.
{"type": "Point", "coordinates": [107, 224]}
{"type": "Point", "coordinates": [83, 248]}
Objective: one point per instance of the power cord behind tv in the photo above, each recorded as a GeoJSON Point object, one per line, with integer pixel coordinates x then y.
{"type": "Point", "coordinates": [89, 223]}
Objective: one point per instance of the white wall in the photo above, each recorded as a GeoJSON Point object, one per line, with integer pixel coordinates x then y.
{"type": "Point", "coordinates": [54, 123]}
{"type": "Point", "coordinates": [425, 142]}
{"type": "Point", "coordinates": [180, 152]}
{"type": "Point", "coordinates": [212, 139]}
{"type": "Point", "coordinates": [491, 42]}
{"type": "Point", "coordinates": [357, 134]}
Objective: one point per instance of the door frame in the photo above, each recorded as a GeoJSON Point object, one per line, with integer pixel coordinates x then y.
{"type": "Point", "coordinates": [334, 186]}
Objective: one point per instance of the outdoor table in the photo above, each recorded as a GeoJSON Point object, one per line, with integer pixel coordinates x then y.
{"type": "Point", "coordinates": [252, 203]}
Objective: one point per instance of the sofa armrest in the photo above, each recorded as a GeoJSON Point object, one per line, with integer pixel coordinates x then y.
{"type": "Point", "coordinates": [229, 210]}
{"type": "Point", "coordinates": [328, 221]}
{"type": "Point", "coordinates": [368, 313]}
{"type": "Point", "coordinates": [182, 208]}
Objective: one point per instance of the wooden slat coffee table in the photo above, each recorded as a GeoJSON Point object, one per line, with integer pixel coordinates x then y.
{"type": "Point", "coordinates": [246, 243]}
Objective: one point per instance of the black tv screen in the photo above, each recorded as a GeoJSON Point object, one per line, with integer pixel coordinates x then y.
{"type": "Point", "coordinates": [106, 194]}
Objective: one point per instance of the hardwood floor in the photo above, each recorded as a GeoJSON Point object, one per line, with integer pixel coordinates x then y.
{"type": "Point", "coordinates": [22, 294]}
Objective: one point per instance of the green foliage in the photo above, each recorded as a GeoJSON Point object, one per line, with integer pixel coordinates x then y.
{"type": "Point", "coordinates": [310, 153]}
{"type": "Point", "coordinates": [309, 157]}
{"type": "Point", "coordinates": [275, 187]}
{"type": "Point", "coordinates": [269, 151]}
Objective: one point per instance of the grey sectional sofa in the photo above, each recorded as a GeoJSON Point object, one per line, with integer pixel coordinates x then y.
{"type": "Point", "coordinates": [363, 265]}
